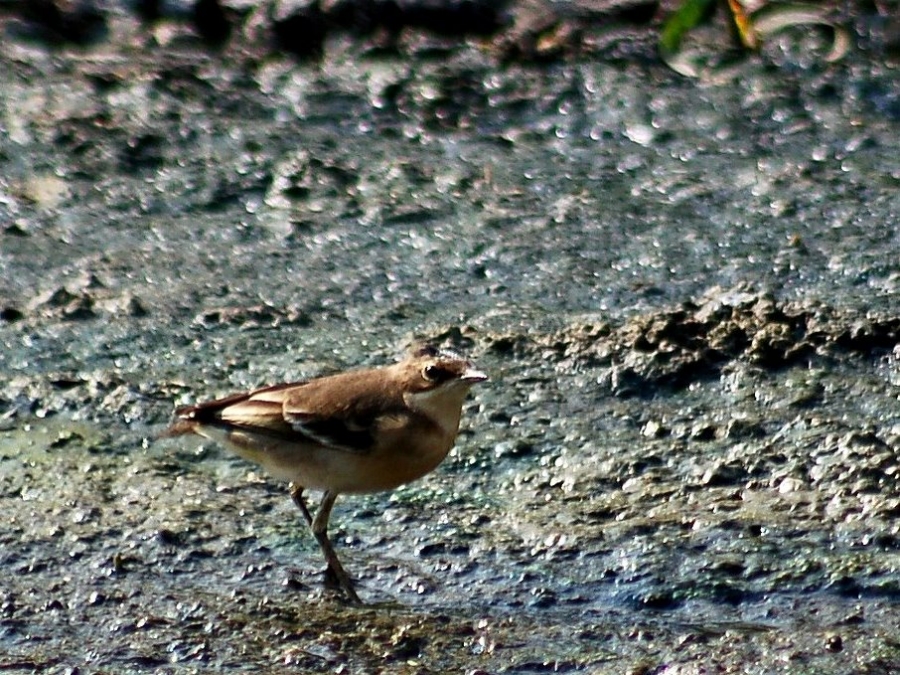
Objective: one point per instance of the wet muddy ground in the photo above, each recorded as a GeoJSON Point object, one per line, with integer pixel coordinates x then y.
{"type": "Point", "coordinates": [685, 293]}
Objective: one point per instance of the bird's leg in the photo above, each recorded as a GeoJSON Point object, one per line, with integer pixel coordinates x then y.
{"type": "Point", "coordinates": [297, 496]}
{"type": "Point", "coordinates": [320, 531]}
{"type": "Point", "coordinates": [319, 527]}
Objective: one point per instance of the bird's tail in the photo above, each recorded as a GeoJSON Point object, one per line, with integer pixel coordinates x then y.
{"type": "Point", "coordinates": [179, 428]}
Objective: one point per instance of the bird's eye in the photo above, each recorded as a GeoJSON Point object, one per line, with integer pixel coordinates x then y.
{"type": "Point", "coordinates": [431, 372]}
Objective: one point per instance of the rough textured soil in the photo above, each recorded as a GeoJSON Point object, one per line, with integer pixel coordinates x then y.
{"type": "Point", "coordinates": [685, 293]}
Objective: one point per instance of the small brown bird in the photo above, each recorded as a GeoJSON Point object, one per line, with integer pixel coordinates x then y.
{"type": "Point", "coordinates": [358, 431]}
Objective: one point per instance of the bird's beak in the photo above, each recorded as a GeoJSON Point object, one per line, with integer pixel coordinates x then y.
{"type": "Point", "coordinates": [473, 376]}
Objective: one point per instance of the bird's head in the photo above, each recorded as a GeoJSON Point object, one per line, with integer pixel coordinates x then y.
{"type": "Point", "coordinates": [437, 381]}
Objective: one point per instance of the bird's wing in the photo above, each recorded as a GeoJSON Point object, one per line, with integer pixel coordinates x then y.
{"type": "Point", "coordinates": [255, 411]}
{"type": "Point", "coordinates": [325, 411]}
{"type": "Point", "coordinates": [318, 411]}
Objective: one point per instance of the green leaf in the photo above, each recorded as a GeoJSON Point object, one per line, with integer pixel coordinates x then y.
{"type": "Point", "coordinates": [688, 15]}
